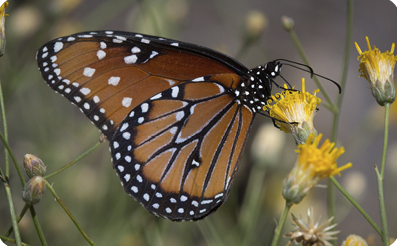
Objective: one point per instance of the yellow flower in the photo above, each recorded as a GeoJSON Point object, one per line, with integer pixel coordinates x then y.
{"type": "Point", "coordinates": [313, 165]}
{"type": "Point", "coordinates": [2, 28]}
{"type": "Point", "coordinates": [377, 68]}
{"type": "Point", "coordinates": [354, 240]}
{"type": "Point", "coordinates": [294, 111]}
{"type": "Point", "coordinates": [311, 234]}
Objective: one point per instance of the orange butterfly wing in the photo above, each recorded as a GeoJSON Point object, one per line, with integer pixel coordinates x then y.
{"type": "Point", "coordinates": [169, 109]}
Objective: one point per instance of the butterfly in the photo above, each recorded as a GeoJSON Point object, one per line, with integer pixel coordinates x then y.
{"type": "Point", "coordinates": [177, 115]}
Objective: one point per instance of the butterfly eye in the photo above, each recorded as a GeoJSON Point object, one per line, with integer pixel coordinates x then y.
{"type": "Point", "coordinates": [177, 115]}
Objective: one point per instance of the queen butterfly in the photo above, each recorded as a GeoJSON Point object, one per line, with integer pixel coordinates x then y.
{"type": "Point", "coordinates": [177, 115]}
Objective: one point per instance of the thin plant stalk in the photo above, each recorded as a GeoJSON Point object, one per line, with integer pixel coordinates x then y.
{"type": "Point", "coordinates": [37, 226]}
{"type": "Point", "coordinates": [359, 208]}
{"type": "Point", "coordinates": [5, 142]}
{"type": "Point", "coordinates": [25, 208]}
{"type": "Point", "coordinates": [330, 105]}
{"type": "Point", "coordinates": [280, 224]}
{"type": "Point", "coordinates": [252, 203]}
{"type": "Point", "coordinates": [345, 67]}
{"type": "Point", "coordinates": [11, 240]}
{"type": "Point", "coordinates": [380, 176]}
{"type": "Point", "coordinates": [49, 187]}
{"type": "Point", "coordinates": [336, 115]}
{"type": "Point", "coordinates": [5, 130]}
{"type": "Point", "coordinates": [74, 161]}
{"type": "Point", "coordinates": [209, 231]}
{"type": "Point", "coordinates": [12, 213]}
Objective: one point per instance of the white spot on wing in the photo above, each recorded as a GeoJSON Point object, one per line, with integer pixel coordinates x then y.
{"type": "Point", "coordinates": [88, 72]}
{"type": "Point", "coordinates": [100, 54]}
{"type": "Point", "coordinates": [156, 96]}
{"type": "Point", "coordinates": [124, 127]}
{"type": "Point", "coordinates": [144, 107]}
{"type": "Point", "coordinates": [96, 99]}
{"type": "Point", "coordinates": [154, 53]}
{"type": "Point", "coordinates": [85, 91]}
{"type": "Point", "coordinates": [126, 101]}
{"type": "Point", "coordinates": [180, 115]}
{"type": "Point", "coordinates": [114, 80]}
{"type": "Point", "coordinates": [126, 135]}
{"type": "Point", "coordinates": [135, 50]}
{"type": "Point", "coordinates": [175, 91]}
{"type": "Point", "coordinates": [130, 59]}
{"type": "Point", "coordinates": [58, 46]}
{"type": "Point", "coordinates": [198, 79]}
{"type": "Point", "coordinates": [57, 71]}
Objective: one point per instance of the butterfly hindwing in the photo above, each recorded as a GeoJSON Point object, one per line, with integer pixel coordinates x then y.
{"type": "Point", "coordinates": [177, 152]}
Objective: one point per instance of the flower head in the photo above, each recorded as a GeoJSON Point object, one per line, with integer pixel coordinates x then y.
{"type": "Point", "coordinates": [312, 234]}
{"type": "Point", "coordinates": [255, 23]}
{"type": "Point", "coordinates": [377, 68]}
{"type": "Point", "coordinates": [33, 190]}
{"type": "Point", "coordinates": [354, 240]}
{"type": "Point", "coordinates": [313, 165]}
{"type": "Point", "coordinates": [34, 166]}
{"type": "Point", "coordinates": [294, 112]}
{"type": "Point", "coordinates": [2, 28]}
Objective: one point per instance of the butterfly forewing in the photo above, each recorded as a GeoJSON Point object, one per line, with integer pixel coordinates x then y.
{"type": "Point", "coordinates": [107, 74]}
{"type": "Point", "coordinates": [185, 166]}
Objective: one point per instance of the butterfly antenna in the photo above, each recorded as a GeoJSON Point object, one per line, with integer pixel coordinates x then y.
{"type": "Point", "coordinates": [310, 71]}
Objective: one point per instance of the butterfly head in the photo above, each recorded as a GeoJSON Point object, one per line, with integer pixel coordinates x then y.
{"type": "Point", "coordinates": [273, 68]}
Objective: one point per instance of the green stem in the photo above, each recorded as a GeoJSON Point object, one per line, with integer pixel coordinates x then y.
{"type": "Point", "coordinates": [3, 116]}
{"type": "Point", "coordinates": [38, 227]}
{"type": "Point", "coordinates": [252, 203]}
{"type": "Point", "coordinates": [385, 140]}
{"type": "Point", "coordinates": [25, 208]}
{"type": "Point", "coordinates": [299, 47]}
{"type": "Point", "coordinates": [5, 142]}
{"type": "Point", "coordinates": [12, 212]}
{"type": "Point", "coordinates": [355, 204]}
{"type": "Point", "coordinates": [380, 176]}
{"type": "Point", "coordinates": [281, 224]}
{"type": "Point", "coordinates": [74, 161]}
{"type": "Point", "coordinates": [49, 187]}
{"type": "Point", "coordinates": [11, 240]}
{"type": "Point", "coordinates": [349, 31]}
{"type": "Point", "coordinates": [385, 234]}
{"type": "Point", "coordinates": [336, 118]}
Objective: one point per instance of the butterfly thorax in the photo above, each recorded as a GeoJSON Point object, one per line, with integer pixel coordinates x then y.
{"type": "Point", "coordinates": [256, 90]}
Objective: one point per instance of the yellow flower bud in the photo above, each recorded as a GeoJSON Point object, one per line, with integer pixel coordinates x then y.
{"type": "Point", "coordinates": [378, 69]}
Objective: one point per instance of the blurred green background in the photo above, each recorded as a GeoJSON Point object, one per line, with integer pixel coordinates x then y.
{"type": "Point", "coordinates": [45, 124]}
